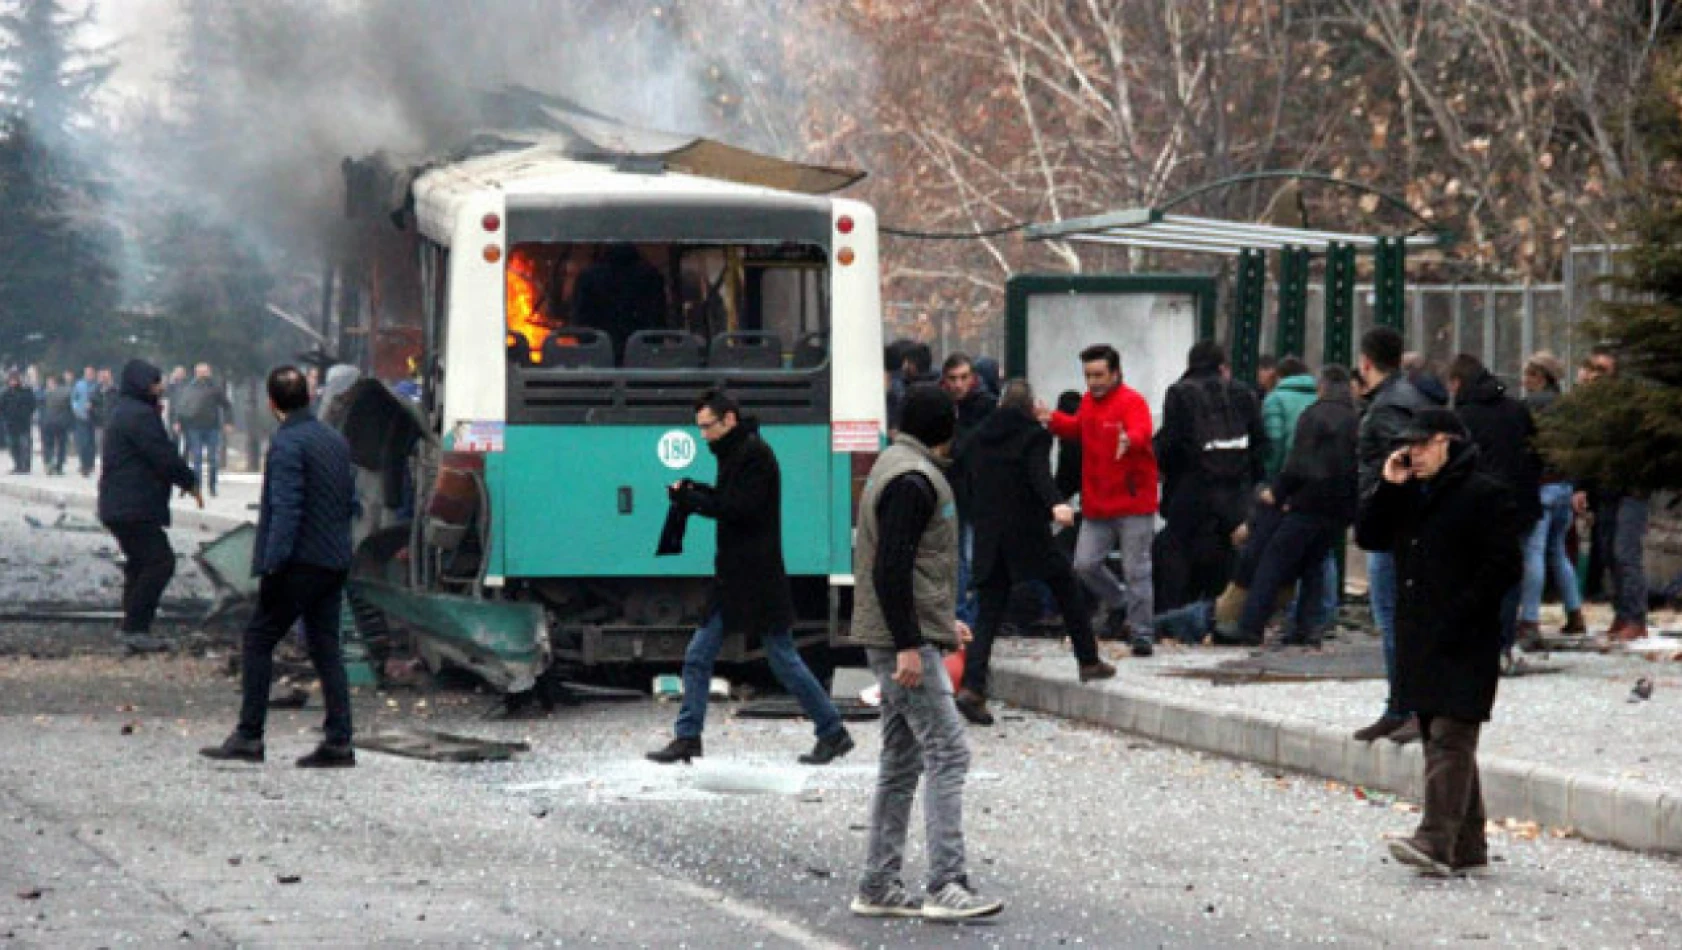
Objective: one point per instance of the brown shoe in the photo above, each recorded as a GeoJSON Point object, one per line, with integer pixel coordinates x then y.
{"type": "Point", "coordinates": [1096, 671]}
{"type": "Point", "coordinates": [1574, 625]}
{"type": "Point", "coordinates": [1528, 637]}
{"type": "Point", "coordinates": [973, 706]}
{"type": "Point", "coordinates": [1385, 725]}
{"type": "Point", "coordinates": [1409, 732]}
{"type": "Point", "coordinates": [1624, 631]}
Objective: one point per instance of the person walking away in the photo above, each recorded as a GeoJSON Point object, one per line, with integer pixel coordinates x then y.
{"type": "Point", "coordinates": [1544, 550]}
{"type": "Point", "coordinates": [1505, 434]}
{"type": "Point", "coordinates": [750, 586]}
{"type": "Point", "coordinates": [975, 404]}
{"type": "Point", "coordinates": [302, 555]}
{"type": "Point", "coordinates": [1118, 493]}
{"type": "Point", "coordinates": [82, 397]}
{"type": "Point", "coordinates": [1455, 533]}
{"type": "Point", "coordinates": [1620, 528]}
{"type": "Point", "coordinates": [138, 464]}
{"type": "Point", "coordinates": [1282, 407]}
{"type": "Point", "coordinates": [906, 561]}
{"type": "Point", "coordinates": [173, 384]}
{"type": "Point", "coordinates": [17, 406]}
{"type": "Point", "coordinates": [1213, 452]}
{"type": "Point", "coordinates": [57, 419]}
{"type": "Point", "coordinates": [1013, 503]}
{"type": "Point", "coordinates": [1294, 391]}
{"type": "Point", "coordinates": [1316, 502]}
{"type": "Point", "coordinates": [202, 414]}
{"type": "Point", "coordinates": [1391, 403]}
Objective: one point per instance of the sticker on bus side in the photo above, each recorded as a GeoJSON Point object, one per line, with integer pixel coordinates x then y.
{"type": "Point", "coordinates": [854, 437]}
{"type": "Point", "coordinates": [676, 449]}
{"type": "Point", "coordinates": [479, 436]}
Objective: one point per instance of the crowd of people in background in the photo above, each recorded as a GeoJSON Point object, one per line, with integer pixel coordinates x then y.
{"type": "Point", "coordinates": [71, 410]}
{"type": "Point", "coordinates": [1230, 519]}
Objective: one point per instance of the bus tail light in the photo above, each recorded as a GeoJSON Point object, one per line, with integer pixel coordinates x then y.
{"type": "Point", "coordinates": [844, 224]}
{"type": "Point", "coordinates": [845, 256]}
{"type": "Point", "coordinates": [491, 221]}
{"type": "Point", "coordinates": [493, 253]}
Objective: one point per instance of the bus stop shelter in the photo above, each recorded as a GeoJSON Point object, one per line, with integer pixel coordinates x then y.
{"type": "Point", "coordinates": [1162, 228]}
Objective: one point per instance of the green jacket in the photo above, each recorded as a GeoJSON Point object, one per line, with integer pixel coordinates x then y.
{"type": "Point", "coordinates": [1280, 411]}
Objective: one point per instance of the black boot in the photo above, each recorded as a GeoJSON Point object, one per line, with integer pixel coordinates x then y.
{"type": "Point", "coordinates": [829, 749]}
{"type": "Point", "coordinates": [235, 748]}
{"type": "Point", "coordinates": [327, 756]}
{"type": "Point", "coordinates": [677, 750]}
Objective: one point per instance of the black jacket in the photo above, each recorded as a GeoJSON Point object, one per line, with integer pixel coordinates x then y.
{"type": "Point", "coordinates": [1186, 409]}
{"type": "Point", "coordinates": [1319, 477]}
{"type": "Point", "coordinates": [1390, 406]}
{"type": "Point", "coordinates": [309, 498]}
{"type": "Point", "coordinates": [17, 407]}
{"type": "Point", "coordinates": [750, 584]}
{"type": "Point", "coordinates": [1011, 497]}
{"type": "Point", "coordinates": [1505, 434]}
{"type": "Point", "coordinates": [1457, 540]}
{"type": "Point", "coordinates": [138, 462]}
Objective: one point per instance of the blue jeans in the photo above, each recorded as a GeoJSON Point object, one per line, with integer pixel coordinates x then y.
{"type": "Point", "coordinates": [1188, 624]}
{"type": "Point", "coordinates": [86, 445]}
{"type": "Point", "coordinates": [968, 609]}
{"type": "Point", "coordinates": [786, 665]}
{"type": "Point", "coordinates": [1381, 589]}
{"type": "Point", "coordinates": [203, 448]}
{"type": "Point", "coordinates": [1544, 554]}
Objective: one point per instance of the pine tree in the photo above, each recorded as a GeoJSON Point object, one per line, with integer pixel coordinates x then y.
{"type": "Point", "coordinates": [1626, 433]}
{"type": "Point", "coordinates": [58, 244]}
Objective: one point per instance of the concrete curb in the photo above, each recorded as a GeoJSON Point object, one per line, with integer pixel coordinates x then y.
{"type": "Point", "coordinates": [180, 517]}
{"type": "Point", "coordinates": [1626, 813]}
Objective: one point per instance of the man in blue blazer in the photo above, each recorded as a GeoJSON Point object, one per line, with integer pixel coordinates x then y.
{"type": "Point", "coordinates": [303, 555]}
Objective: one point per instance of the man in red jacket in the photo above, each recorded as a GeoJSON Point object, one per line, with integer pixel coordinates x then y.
{"type": "Point", "coordinates": [1118, 492]}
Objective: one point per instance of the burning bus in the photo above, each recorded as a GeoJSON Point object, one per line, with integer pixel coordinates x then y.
{"type": "Point", "coordinates": [557, 300]}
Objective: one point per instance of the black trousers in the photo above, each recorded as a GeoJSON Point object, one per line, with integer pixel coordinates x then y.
{"type": "Point", "coordinates": [1193, 554]}
{"type": "Point", "coordinates": [1294, 551]}
{"type": "Point", "coordinates": [148, 564]}
{"type": "Point", "coordinates": [994, 602]}
{"type": "Point", "coordinates": [17, 439]}
{"type": "Point", "coordinates": [313, 594]}
{"type": "Point", "coordinates": [55, 446]}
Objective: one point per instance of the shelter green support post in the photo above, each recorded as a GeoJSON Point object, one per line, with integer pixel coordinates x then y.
{"type": "Point", "coordinates": [1340, 304]}
{"type": "Point", "coordinates": [1293, 302]}
{"type": "Point", "coordinates": [1249, 297]}
{"type": "Point", "coordinates": [1389, 279]}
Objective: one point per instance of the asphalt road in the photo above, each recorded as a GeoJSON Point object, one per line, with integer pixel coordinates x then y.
{"type": "Point", "coordinates": [113, 832]}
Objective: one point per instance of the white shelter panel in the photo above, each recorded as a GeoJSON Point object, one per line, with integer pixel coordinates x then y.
{"type": "Point", "coordinates": [1152, 331]}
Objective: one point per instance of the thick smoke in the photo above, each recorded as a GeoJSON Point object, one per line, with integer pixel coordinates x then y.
{"type": "Point", "coordinates": [266, 98]}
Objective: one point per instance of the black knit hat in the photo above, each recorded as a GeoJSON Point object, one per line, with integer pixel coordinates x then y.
{"type": "Point", "coordinates": [928, 415]}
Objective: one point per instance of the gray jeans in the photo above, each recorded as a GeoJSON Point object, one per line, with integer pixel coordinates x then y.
{"type": "Point", "coordinates": [1629, 568]}
{"type": "Point", "coordinates": [920, 729]}
{"type": "Point", "coordinates": [1100, 536]}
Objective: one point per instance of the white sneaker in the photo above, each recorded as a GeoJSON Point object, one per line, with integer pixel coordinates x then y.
{"type": "Point", "coordinates": [956, 901]}
{"type": "Point", "coordinates": [894, 902]}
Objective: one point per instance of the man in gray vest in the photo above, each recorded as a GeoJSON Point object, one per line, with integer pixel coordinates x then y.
{"type": "Point", "coordinates": [904, 614]}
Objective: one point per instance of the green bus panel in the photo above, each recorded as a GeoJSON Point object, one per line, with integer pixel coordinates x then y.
{"type": "Point", "coordinates": [590, 501]}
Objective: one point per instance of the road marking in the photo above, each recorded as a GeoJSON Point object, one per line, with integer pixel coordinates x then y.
{"type": "Point", "coordinates": [758, 916]}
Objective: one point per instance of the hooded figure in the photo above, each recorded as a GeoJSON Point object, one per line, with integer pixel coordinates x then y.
{"type": "Point", "coordinates": [138, 466]}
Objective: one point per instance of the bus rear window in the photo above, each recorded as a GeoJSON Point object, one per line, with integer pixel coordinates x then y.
{"type": "Point", "coordinates": [667, 306]}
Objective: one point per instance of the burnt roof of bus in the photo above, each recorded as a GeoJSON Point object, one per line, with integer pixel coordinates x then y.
{"type": "Point", "coordinates": [520, 120]}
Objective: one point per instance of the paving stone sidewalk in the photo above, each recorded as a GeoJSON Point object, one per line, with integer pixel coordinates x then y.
{"type": "Point", "coordinates": [1568, 749]}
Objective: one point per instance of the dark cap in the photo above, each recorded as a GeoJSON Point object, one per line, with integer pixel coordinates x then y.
{"type": "Point", "coordinates": [1429, 422]}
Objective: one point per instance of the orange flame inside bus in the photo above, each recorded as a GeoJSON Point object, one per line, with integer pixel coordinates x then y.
{"type": "Point", "coordinates": [522, 294]}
